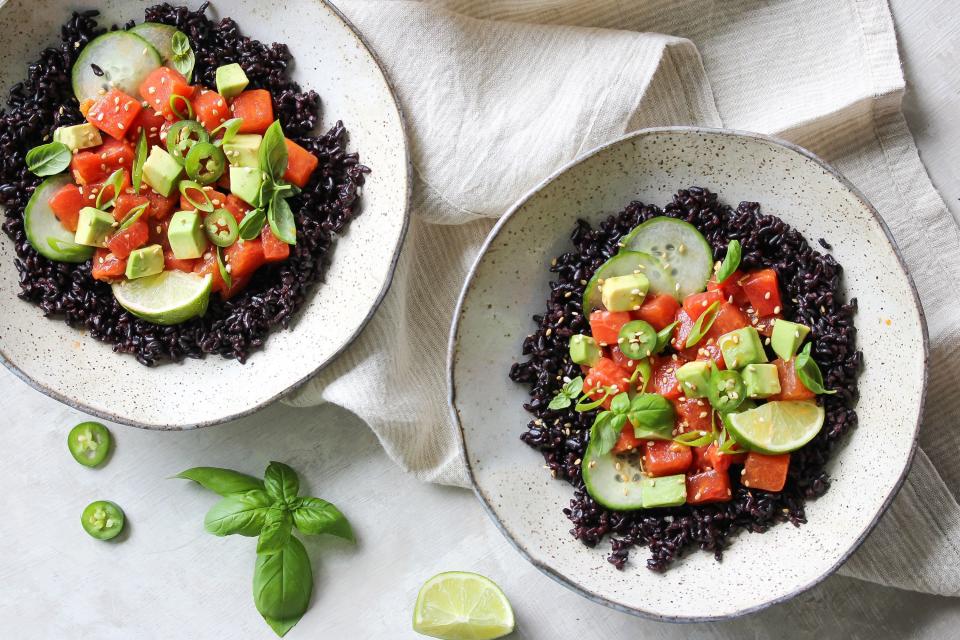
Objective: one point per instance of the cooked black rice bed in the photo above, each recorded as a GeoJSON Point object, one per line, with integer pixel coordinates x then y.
{"type": "Point", "coordinates": [45, 101]}
{"type": "Point", "coordinates": [811, 282]}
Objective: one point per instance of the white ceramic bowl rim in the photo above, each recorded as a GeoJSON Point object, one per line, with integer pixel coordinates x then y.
{"type": "Point", "coordinates": [388, 281]}
{"type": "Point", "coordinates": [451, 393]}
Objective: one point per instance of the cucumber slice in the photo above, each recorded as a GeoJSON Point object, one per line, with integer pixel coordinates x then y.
{"type": "Point", "coordinates": [125, 58]}
{"type": "Point", "coordinates": [159, 35]}
{"type": "Point", "coordinates": [615, 488]}
{"type": "Point", "coordinates": [622, 264]}
{"type": "Point", "coordinates": [680, 247]}
{"type": "Point", "coordinates": [44, 232]}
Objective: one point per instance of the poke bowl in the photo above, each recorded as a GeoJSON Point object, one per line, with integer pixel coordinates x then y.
{"type": "Point", "coordinates": [712, 370]}
{"type": "Point", "coordinates": [196, 199]}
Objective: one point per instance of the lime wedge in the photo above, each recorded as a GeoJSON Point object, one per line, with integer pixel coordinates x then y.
{"type": "Point", "coordinates": [170, 297]}
{"type": "Point", "coordinates": [462, 606]}
{"type": "Point", "coordinates": [777, 427]}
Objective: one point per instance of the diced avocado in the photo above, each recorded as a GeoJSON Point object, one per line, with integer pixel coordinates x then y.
{"type": "Point", "coordinates": [231, 80]}
{"type": "Point", "coordinates": [185, 234]}
{"type": "Point", "coordinates": [161, 171]}
{"type": "Point", "coordinates": [694, 378]}
{"type": "Point", "coordinates": [245, 184]}
{"type": "Point", "coordinates": [243, 150]}
{"type": "Point", "coordinates": [742, 347]}
{"type": "Point", "coordinates": [624, 293]}
{"type": "Point", "coordinates": [584, 350]}
{"type": "Point", "coordinates": [668, 491]}
{"type": "Point", "coordinates": [761, 380]}
{"type": "Point", "coordinates": [93, 227]}
{"type": "Point", "coordinates": [146, 261]}
{"type": "Point", "coordinates": [787, 337]}
{"type": "Point", "coordinates": [79, 136]}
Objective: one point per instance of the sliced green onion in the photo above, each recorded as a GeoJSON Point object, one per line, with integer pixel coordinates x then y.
{"type": "Point", "coordinates": [664, 335]}
{"type": "Point", "coordinates": [116, 181]}
{"type": "Point", "coordinates": [173, 107]}
{"type": "Point", "coordinates": [227, 280]}
{"type": "Point", "coordinates": [221, 228]}
{"type": "Point", "coordinates": [206, 205]}
{"type": "Point", "coordinates": [230, 129]}
{"type": "Point", "coordinates": [582, 406]}
{"type": "Point", "coordinates": [703, 324]}
{"type": "Point", "coordinates": [67, 247]}
{"type": "Point", "coordinates": [138, 161]}
{"type": "Point", "coordinates": [696, 438]}
{"type": "Point", "coordinates": [133, 215]}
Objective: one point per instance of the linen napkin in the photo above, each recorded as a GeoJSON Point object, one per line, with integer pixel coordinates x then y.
{"type": "Point", "coordinates": [500, 93]}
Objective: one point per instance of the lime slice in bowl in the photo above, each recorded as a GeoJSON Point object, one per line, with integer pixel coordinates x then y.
{"type": "Point", "coordinates": [777, 427]}
{"type": "Point", "coordinates": [458, 605]}
{"type": "Point", "coordinates": [169, 297]}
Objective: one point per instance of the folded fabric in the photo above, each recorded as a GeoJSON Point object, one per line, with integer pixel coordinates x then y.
{"type": "Point", "coordinates": [498, 94]}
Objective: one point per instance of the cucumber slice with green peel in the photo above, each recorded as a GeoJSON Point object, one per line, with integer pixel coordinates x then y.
{"type": "Point", "coordinates": [613, 481]}
{"type": "Point", "coordinates": [45, 232]}
{"type": "Point", "coordinates": [623, 264]}
{"type": "Point", "coordinates": [159, 35]}
{"type": "Point", "coordinates": [125, 59]}
{"type": "Point", "coordinates": [682, 250]}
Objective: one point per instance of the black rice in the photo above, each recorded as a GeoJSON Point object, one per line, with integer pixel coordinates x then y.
{"type": "Point", "coordinates": [811, 282]}
{"type": "Point", "coordinates": [231, 328]}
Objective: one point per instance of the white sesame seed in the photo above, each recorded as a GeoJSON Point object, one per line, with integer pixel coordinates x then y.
{"type": "Point", "coordinates": [766, 296]}
{"type": "Point", "coordinates": [776, 309]}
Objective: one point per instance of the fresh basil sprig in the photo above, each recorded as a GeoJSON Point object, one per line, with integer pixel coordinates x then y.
{"type": "Point", "coordinates": [274, 191]}
{"type": "Point", "coordinates": [703, 324]}
{"type": "Point", "coordinates": [608, 424]}
{"type": "Point", "coordinates": [730, 262]}
{"type": "Point", "coordinates": [567, 394]}
{"type": "Point", "coordinates": [272, 510]}
{"type": "Point", "coordinates": [809, 372]}
{"type": "Point", "coordinates": [183, 56]}
{"type": "Point", "coordinates": [652, 416]}
{"type": "Point", "coordinates": [139, 159]}
{"type": "Point", "coordinates": [49, 159]}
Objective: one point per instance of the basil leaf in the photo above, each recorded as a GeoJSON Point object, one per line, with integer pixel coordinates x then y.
{"type": "Point", "coordinates": [252, 223]}
{"type": "Point", "coordinates": [809, 372]}
{"type": "Point", "coordinates": [314, 516]}
{"type": "Point", "coordinates": [574, 387]}
{"type": "Point", "coordinates": [703, 324]}
{"type": "Point", "coordinates": [283, 582]}
{"type": "Point", "coordinates": [222, 481]}
{"type": "Point", "coordinates": [652, 415]}
{"type": "Point", "coordinates": [602, 433]}
{"type": "Point", "coordinates": [282, 223]}
{"type": "Point", "coordinates": [240, 513]}
{"type": "Point", "coordinates": [620, 404]}
{"type": "Point", "coordinates": [560, 401]}
{"type": "Point", "coordinates": [49, 159]}
{"type": "Point", "coordinates": [273, 153]}
{"type": "Point", "coordinates": [277, 526]}
{"type": "Point", "coordinates": [281, 627]}
{"type": "Point", "coordinates": [183, 56]}
{"type": "Point", "coordinates": [115, 181]}
{"type": "Point", "coordinates": [664, 335]}
{"type": "Point", "coordinates": [730, 261]}
{"type": "Point", "coordinates": [138, 161]}
{"type": "Point", "coordinates": [281, 483]}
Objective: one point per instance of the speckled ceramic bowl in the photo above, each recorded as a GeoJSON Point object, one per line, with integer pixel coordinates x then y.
{"type": "Point", "coordinates": [509, 283]}
{"type": "Point", "coordinates": [330, 58]}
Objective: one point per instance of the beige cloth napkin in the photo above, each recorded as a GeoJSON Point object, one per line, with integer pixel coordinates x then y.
{"type": "Point", "coordinates": [499, 94]}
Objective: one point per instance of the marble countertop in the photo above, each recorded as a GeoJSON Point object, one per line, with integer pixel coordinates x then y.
{"type": "Point", "coordinates": [166, 578]}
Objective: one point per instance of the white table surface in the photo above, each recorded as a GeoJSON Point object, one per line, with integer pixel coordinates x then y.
{"type": "Point", "coordinates": [168, 579]}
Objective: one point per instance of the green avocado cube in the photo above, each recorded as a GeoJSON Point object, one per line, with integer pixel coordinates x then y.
{"type": "Point", "coordinates": [624, 293]}
{"type": "Point", "coordinates": [742, 347]}
{"type": "Point", "coordinates": [243, 150]}
{"type": "Point", "coordinates": [668, 491]}
{"type": "Point", "coordinates": [694, 378]}
{"type": "Point", "coordinates": [146, 261]}
{"type": "Point", "coordinates": [231, 80]}
{"type": "Point", "coordinates": [761, 380]}
{"type": "Point", "coordinates": [93, 227]}
{"type": "Point", "coordinates": [245, 184]}
{"type": "Point", "coordinates": [185, 235]}
{"type": "Point", "coordinates": [79, 136]}
{"type": "Point", "coordinates": [787, 337]}
{"type": "Point", "coordinates": [161, 171]}
{"type": "Point", "coordinates": [584, 350]}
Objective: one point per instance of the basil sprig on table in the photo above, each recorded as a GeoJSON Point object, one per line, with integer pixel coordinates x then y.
{"type": "Point", "coordinates": [271, 509]}
{"type": "Point", "coordinates": [183, 56]}
{"type": "Point", "coordinates": [272, 208]}
{"type": "Point", "coordinates": [49, 159]}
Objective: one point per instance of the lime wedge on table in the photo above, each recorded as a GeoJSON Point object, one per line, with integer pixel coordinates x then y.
{"type": "Point", "coordinates": [462, 606]}
{"type": "Point", "coordinates": [168, 297]}
{"type": "Point", "coordinates": [777, 427]}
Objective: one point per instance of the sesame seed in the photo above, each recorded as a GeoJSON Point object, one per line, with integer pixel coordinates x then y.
{"type": "Point", "coordinates": [120, 126]}
{"type": "Point", "coordinates": [163, 80]}
{"type": "Point", "coordinates": [99, 117]}
{"type": "Point", "coordinates": [766, 296]}
{"type": "Point", "coordinates": [776, 309]}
